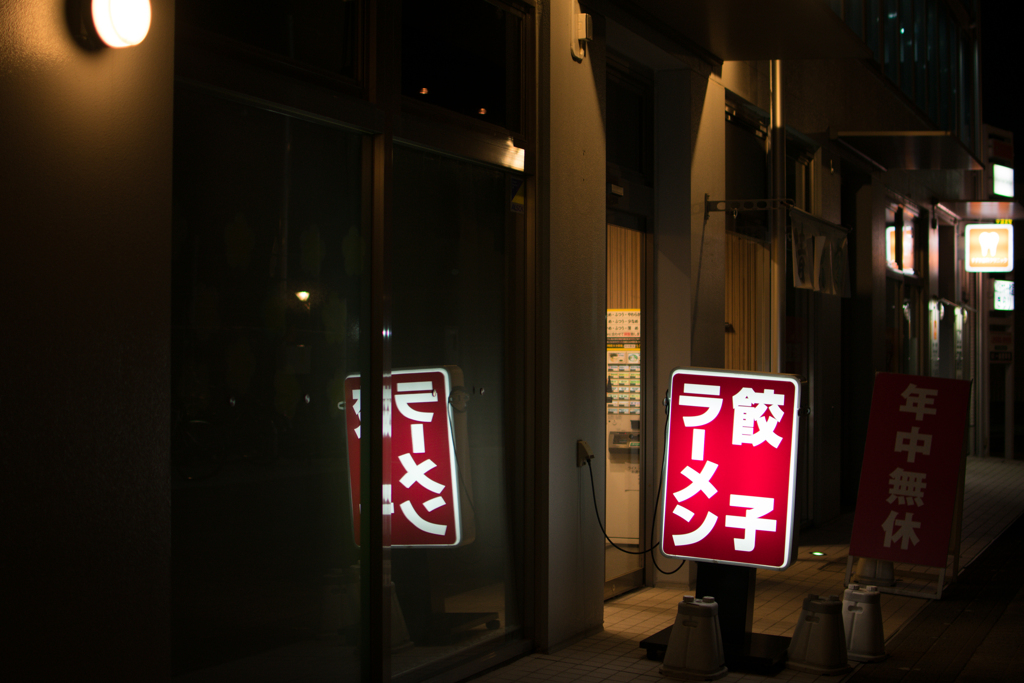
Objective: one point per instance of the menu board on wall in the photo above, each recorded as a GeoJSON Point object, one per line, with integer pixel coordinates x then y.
{"type": "Point", "coordinates": [623, 362]}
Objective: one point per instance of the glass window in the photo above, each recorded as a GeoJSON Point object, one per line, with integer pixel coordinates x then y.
{"type": "Point", "coordinates": [325, 35]}
{"type": "Point", "coordinates": [266, 287]}
{"type": "Point", "coordinates": [855, 16]}
{"type": "Point", "coordinates": [906, 47]}
{"type": "Point", "coordinates": [920, 55]}
{"type": "Point", "coordinates": [968, 94]}
{"type": "Point", "coordinates": [873, 27]}
{"type": "Point", "coordinates": [945, 71]}
{"type": "Point", "coordinates": [933, 61]}
{"type": "Point", "coordinates": [630, 124]}
{"type": "Point", "coordinates": [891, 40]}
{"type": "Point", "coordinates": [466, 58]}
{"type": "Point", "coordinates": [451, 219]}
{"type": "Point", "coordinates": [956, 74]}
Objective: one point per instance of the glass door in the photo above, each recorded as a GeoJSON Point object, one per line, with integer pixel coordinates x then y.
{"type": "Point", "coordinates": [624, 411]}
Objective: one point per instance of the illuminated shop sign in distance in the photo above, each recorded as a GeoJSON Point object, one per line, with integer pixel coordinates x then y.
{"type": "Point", "coordinates": [908, 249]}
{"type": "Point", "coordinates": [989, 248]}
{"type": "Point", "coordinates": [1002, 180]}
{"type": "Point", "coordinates": [1002, 295]}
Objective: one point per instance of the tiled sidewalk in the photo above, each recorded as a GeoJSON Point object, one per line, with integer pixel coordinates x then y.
{"type": "Point", "coordinates": [993, 499]}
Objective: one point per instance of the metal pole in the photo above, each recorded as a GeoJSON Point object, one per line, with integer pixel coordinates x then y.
{"type": "Point", "coordinates": [778, 272]}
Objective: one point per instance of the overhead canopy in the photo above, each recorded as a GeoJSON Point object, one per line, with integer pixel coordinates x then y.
{"type": "Point", "coordinates": [754, 29]}
{"type": "Point", "coordinates": [912, 150]}
{"type": "Point", "coordinates": [985, 211]}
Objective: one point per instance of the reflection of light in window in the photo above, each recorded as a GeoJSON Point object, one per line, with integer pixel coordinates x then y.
{"type": "Point", "coordinates": [482, 111]}
{"type": "Point", "coordinates": [908, 249]}
{"type": "Point", "coordinates": [515, 157]}
{"type": "Point", "coordinates": [423, 91]}
{"type": "Point", "coordinates": [302, 296]}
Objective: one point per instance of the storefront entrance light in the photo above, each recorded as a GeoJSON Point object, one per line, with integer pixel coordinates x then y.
{"type": "Point", "coordinates": [121, 23]}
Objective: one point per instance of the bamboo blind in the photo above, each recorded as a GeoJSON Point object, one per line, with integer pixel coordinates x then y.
{"type": "Point", "coordinates": [744, 301]}
{"type": "Point", "coordinates": [625, 256]}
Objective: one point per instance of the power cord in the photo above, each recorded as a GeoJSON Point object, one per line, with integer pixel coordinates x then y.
{"type": "Point", "coordinates": [657, 496]}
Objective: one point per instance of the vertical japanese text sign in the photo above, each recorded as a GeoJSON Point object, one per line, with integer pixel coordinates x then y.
{"type": "Point", "coordinates": [730, 467]}
{"type": "Point", "coordinates": [423, 498]}
{"type": "Point", "coordinates": [911, 467]}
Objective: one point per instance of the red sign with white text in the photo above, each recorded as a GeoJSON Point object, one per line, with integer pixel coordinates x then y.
{"type": "Point", "coordinates": [908, 479]}
{"type": "Point", "coordinates": [423, 497]}
{"type": "Point", "coordinates": [730, 467]}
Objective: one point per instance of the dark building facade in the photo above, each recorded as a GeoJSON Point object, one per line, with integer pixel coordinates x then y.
{"type": "Point", "coordinates": [261, 264]}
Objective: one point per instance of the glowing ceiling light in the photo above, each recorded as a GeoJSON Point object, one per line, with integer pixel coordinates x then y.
{"type": "Point", "coordinates": [121, 23]}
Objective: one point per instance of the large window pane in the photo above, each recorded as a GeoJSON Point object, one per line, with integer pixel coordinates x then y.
{"type": "Point", "coordinates": [449, 282]}
{"type": "Point", "coordinates": [466, 57]}
{"type": "Point", "coordinates": [855, 16]}
{"type": "Point", "coordinates": [933, 61]}
{"type": "Point", "coordinates": [907, 47]}
{"type": "Point", "coordinates": [267, 276]}
{"type": "Point", "coordinates": [324, 35]}
{"type": "Point", "coordinates": [945, 72]}
{"type": "Point", "coordinates": [873, 27]}
{"type": "Point", "coordinates": [891, 40]}
{"type": "Point", "coordinates": [921, 55]}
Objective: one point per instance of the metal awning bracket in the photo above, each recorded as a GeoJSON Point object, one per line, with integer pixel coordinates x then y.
{"type": "Point", "coordinates": [736, 205]}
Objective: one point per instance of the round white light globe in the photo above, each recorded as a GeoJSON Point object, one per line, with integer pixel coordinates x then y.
{"type": "Point", "coordinates": [121, 23]}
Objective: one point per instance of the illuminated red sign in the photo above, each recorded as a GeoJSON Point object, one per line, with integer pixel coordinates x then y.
{"type": "Point", "coordinates": [423, 499]}
{"type": "Point", "coordinates": [730, 467]}
{"type": "Point", "coordinates": [908, 479]}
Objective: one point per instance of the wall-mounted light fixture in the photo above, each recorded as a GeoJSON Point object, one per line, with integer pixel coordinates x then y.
{"type": "Point", "coordinates": [121, 23]}
{"type": "Point", "coordinates": [581, 31]}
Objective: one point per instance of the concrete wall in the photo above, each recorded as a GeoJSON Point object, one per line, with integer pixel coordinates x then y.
{"type": "Point", "coordinates": [571, 188]}
{"type": "Point", "coordinates": [689, 252]}
{"type": "Point", "coordinates": [707, 237]}
{"type": "Point", "coordinates": [673, 308]}
{"type": "Point", "coordinates": [85, 214]}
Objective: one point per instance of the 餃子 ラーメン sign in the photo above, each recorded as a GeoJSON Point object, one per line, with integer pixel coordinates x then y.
{"type": "Point", "coordinates": [730, 467]}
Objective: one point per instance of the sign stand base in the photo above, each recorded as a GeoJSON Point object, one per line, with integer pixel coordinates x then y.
{"type": "Point", "coordinates": [732, 587]}
{"type": "Point", "coordinates": [896, 589]}
{"type": "Point", "coordinates": [759, 653]}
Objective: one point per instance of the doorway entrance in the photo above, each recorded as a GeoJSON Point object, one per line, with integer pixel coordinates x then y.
{"type": "Point", "coordinates": [624, 411]}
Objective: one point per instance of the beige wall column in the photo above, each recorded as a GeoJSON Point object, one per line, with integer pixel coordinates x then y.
{"type": "Point", "coordinates": [571, 329]}
{"type": "Point", "coordinates": [707, 238]}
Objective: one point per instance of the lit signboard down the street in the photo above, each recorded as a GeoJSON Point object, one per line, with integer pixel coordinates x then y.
{"type": "Point", "coordinates": [989, 248]}
{"type": "Point", "coordinates": [730, 467]}
{"type": "Point", "coordinates": [1002, 295]}
{"type": "Point", "coordinates": [423, 499]}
